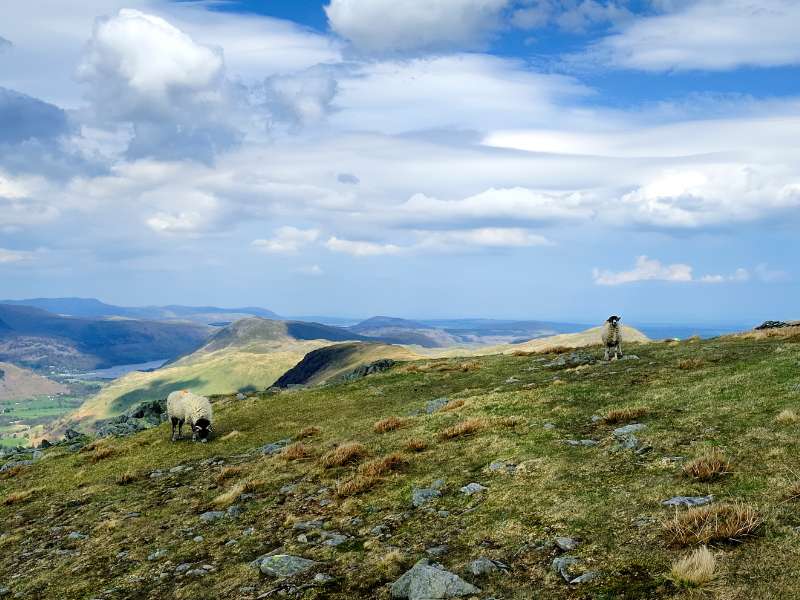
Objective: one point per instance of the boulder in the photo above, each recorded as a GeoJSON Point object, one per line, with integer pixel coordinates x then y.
{"type": "Point", "coordinates": [285, 565]}
{"type": "Point", "coordinates": [689, 501]}
{"type": "Point", "coordinates": [426, 581]}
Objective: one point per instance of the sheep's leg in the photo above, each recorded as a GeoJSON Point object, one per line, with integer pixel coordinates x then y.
{"type": "Point", "coordinates": [174, 423]}
{"type": "Point", "coordinates": [619, 349]}
{"type": "Point", "coordinates": [180, 429]}
{"type": "Point", "coordinates": [606, 354]}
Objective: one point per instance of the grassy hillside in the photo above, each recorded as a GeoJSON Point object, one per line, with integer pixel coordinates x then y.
{"type": "Point", "coordinates": [733, 400]}
{"type": "Point", "coordinates": [332, 362]}
{"type": "Point", "coordinates": [20, 384]}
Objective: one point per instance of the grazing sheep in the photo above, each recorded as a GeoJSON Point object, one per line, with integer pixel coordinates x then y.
{"type": "Point", "coordinates": [612, 337]}
{"type": "Point", "coordinates": [185, 406]}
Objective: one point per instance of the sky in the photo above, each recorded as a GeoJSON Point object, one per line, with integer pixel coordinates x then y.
{"type": "Point", "coordinates": [539, 159]}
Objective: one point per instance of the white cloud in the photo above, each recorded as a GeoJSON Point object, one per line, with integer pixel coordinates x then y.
{"type": "Point", "coordinates": [361, 248]}
{"type": "Point", "coordinates": [389, 25]}
{"type": "Point", "coordinates": [570, 15]}
{"type": "Point", "coordinates": [649, 269]}
{"type": "Point", "coordinates": [769, 275]}
{"type": "Point", "coordinates": [14, 256]}
{"type": "Point", "coordinates": [311, 271]}
{"type": "Point", "coordinates": [486, 237]}
{"type": "Point", "coordinates": [711, 35]}
{"type": "Point", "coordinates": [287, 240]}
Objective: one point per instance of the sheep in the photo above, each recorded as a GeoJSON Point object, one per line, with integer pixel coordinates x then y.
{"type": "Point", "coordinates": [611, 335]}
{"type": "Point", "coordinates": [184, 406]}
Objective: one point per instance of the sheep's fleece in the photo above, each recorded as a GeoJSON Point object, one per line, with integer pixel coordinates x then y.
{"type": "Point", "coordinates": [184, 406]}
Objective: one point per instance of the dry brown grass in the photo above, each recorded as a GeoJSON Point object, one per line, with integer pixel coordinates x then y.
{"type": "Point", "coordinates": [231, 435]}
{"type": "Point", "coordinates": [688, 364]}
{"type": "Point", "coordinates": [443, 366]}
{"type": "Point", "coordinates": [388, 424]}
{"type": "Point", "coordinates": [787, 417]}
{"type": "Point", "coordinates": [346, 453]}
{"type": "Point", "coordinates": [20, 497]}
{"type": "Point", "coordinates": [225, 499]}
{"type": "Point", "coordinates": [464, 428]}
{"type": "Point", "coordinates": [12, 472]}
{"type": "Point", "coordinates": [127, 477]}
{"type": "Point", "coordinates": [108, 525]}
{"type": "Point", "coordinates": [356, 485]}
{"type": "Point", "coordinates": [383, 465]}
{"type": "Point", "coordinates": [624, 415]}
{"type": "Point", "coordinates": [696, 569]}
{"type": "Point", "coordinates": [309, 432]}
{"type": "Point", "coordinates": [416, 445]}
{"type": "Point", "coordinates": [792, 492]}
{"type": "Point", "coordinates": [708, 467]}
{"type": "Point", "coordinates": [100, 453]}
{"type": "Point", "coordinates": [296, 451]}
{"type": "Point", "coordinates": [713, 523]}
{"type": "Point", "coordinates": [230, 472]}
{"type": "Point", "coordinates": [452, 405]}
{"type": "Point", "coordinates": [510, 421]}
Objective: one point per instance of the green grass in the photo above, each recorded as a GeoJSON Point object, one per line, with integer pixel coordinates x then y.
{"type": "Point", "coordinates": [607, 498]}
{"type": "Point", "coordinates": [33, 412]}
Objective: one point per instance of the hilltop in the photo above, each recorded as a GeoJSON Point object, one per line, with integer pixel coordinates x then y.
{"type": "Point", "coordinates": [402, 331]}
{"type": "Point", "coordinates": [20, 384]}
{"type": "Point", "coordinates": [572, 465]}
{"type": "Point", "coordinates": [39, 339]}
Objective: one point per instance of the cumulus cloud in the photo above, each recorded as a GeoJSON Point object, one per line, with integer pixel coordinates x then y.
{"type": "Point", "coordinates": [302, 98]}
{"type": "Point", "coordinates": [287, 240]}
{"type": "Point", "coordinates": [649, 269]}
{"type": "Point", "coordinates": [14, 256]}
{"type": "Point", "coordinates": [713, 35]}
{"type": "Point", "coordinates": [387, 25]}
{"type": "Point", "coordinates": [361, 248]}
{"type": "Point", "coordinates": [570, 15]}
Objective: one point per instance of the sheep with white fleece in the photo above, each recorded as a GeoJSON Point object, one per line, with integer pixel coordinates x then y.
{"type": "Point", "coordinates": [611, 335]}
{"type": "Point", "coordinates": [186, 407]}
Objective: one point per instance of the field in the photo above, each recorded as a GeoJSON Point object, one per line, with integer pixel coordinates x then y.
{"type": "Point", "coordinates": [730, 402]}
{"type": "Point", "coordinates": [17, 417]}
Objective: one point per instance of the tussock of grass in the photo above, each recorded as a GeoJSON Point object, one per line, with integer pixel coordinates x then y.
{"type": "Point", "coordinates": [383, 465]}
{"type": "Point", "coordinates": [346, 453]}
{"type": "Point", "coordinates": [20, 497]}
{"type": "Point", "coordinates": [230, 472]}
{"type": "Point", "coordinates": [444, 367]}
{"type": "Point", "coordinates": [464, 428]}
{"type": "Point", "coordinates": [309, 432]}
{"type": "Point", "coordinates": [688, 364]}
{"type": "Point", "coordinates": [108, 525]}
{"type": "Point", "coordinates": [695, 569]}
{"type": "Point", "coordinates": [388, 424]}
{"type": "Point", "coordinates": [231, 435]}
{"type": "Point", "coordinates": [510, 421]}
{"type": "Point", "coordinates": [296, 451]}
{"type": "Point", "coordinates": [127, 477]}
{"type": "Point", "coordinates": [787, 417]}
{"type": "Point", "coordinates": [714, 523]}
{"type": "Point", "coordinates": [452, 405]}
{"type": "Point", "coordinates": [392, 563]}
{"type": "Point", "coordinates": [225, 499]}
{"type": "Point", "coordinates": [708, 467]}
{"type": "Point", "coordinates": [416, 445]}
{"type": "Point", "coordinates": [100, 453]}
{"type": "Point", "coordinates": [624, 415]}
{"type": "Point", "coordinates": [11, 472]}
{"type": "Point", "coordinates": [357, 485]}
{"type": "Point", "coordinates": [792, 492]}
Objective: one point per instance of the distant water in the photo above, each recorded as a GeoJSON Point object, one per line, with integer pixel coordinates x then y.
{"type": "Point", "coordinates": [120, 370]}
{"type": "Point", "coordinates": [661, 331]}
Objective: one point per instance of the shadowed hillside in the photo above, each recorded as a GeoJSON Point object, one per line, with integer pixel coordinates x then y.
{"type": "Point", "coordinates": [516, 474]}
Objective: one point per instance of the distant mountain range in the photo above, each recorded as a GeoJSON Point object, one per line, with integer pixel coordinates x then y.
{"type": "Point", "coordinates": [93, 308]}
{"type": "Point", "coordinates": [35, 338]}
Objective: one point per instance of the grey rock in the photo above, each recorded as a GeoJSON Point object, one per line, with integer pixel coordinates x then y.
{"type": "Point", "coordinates": [574, 359]}
{"type": "Point", "coordinates": [566, 543]}
{"type": "Point", "coordinates": [288, 490]}
{"type": "Point", "coordinates": [438, 484]}
{"type": "Point", "coordinates": [502, 466]}
{"type": "Point", "coordinates": [156, 474]}
{"type": "Point", "coordinates": [285, 565]}
{"type": "Point", "coordinates": [629, 357]}
{"type": "Point", "coordinates": [443, 513]}
{"type": "Point", "coordinates": [586, 443]}
{"type": "Point", "coordinates": [178, 469]}
{"type": "Point", "coordinates": [379, 530]}
{"type": "Point", "coordinates": [421, 496]}
{"type": "Point", "coordinates": [308, 525]}
{"type": "Point", "coordinates": [249, 531]}
{"type": "Point", "coordinates": [437, 551]}
{"type": "Point", "coordinates": [628, 442]}
{"type": "Point", "coordinates": [585, 578]}
{"type": "Point", "coordinates": [234, 511]}
{"type": "Point", "coordinates": [4, 591]}
{"type": "Point", "coordinates": [198, 539]}
{"type": "Point", "coordinates": [484, 566]}
{"type": "Point", "coordinates": [472, 488]}
{"type": "Point", "coordinates": [322, 579]}
{"type": "Point", "coordinates": [563, 566]}
{"type": "Point", "coordinates": [240, 396]}
{"type": "Point", "coordinates": [183, 567]}
{"type": "Point", "coordinates": [596, 418]}
{"type": "Point", "coordinates": [436, 405]}
{"type": "Point", "coordinates": [197, 573]}
{"type": "Point", "coordinates": [425, 581]}
{"type": "Point", "coordinates": [689, 501]}
{"type": "Point", "coordinates": [275, 447]}
{"type": "Point", "coordinates": [549, 426]}
{"type": "Point", "coordinates": [156, 555]}
{"type": "Point", "coordinates": [334, 538]}
{"type": "Point", "coordinates": [76, 535]}
{"type": "Point", "coordinates": [628, 429]}
{"type": "Point", "coordinates": [511, 380]}
{"type": "Point", "coordinates": [211, 516]}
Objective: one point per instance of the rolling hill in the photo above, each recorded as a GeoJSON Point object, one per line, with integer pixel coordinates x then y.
{"type": "Point", "coordinates": [402, 331]}
{"type": "Point", "coordinates": [20, 384]}
{"type": "Point", "coordinates": [93, 308]}
{"type": "Point", "coordinates": [579, 476]}
{"type": "Point", "coordinates": [39, 339]}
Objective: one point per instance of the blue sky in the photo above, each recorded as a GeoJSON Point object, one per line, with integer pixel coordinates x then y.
{"type": "Point", "coordinates": [559, 159]}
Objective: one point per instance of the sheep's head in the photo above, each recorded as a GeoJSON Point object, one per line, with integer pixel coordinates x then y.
{"type": "Point", "coordinates": [202, 430]}
{"type": "Point", "coordinates": [614, 319]}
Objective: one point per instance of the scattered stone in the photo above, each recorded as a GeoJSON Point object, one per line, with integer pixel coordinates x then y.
{"type": "Point", "coordinates": [563, 565]}
{"type": "Point", "coordinates": [234, 511]}
{"type": "Point", "coordinates": [511, 380]}
{"type": "Point", "coordinates": [426, 581]}
{"type": "Point", "coordinates": [4, 592]}
{"type": "Point", "coordinates": [156, 555]}
{"type": "Point", "coordinates": [179, 469]}
{"type": "Point", "coordinates": [249, 531]}
{"type": "Point", "coordinates": [334, 539]}
{"type": "Point", "coordinates": [628, 429]}
{"type": "Point", "coordinates": [322, 579]}
{"type": "Point", "coordinates": [689, 501]}
{"type": "Point", "coordinates": [76, 535]}
{"type": "Point", "coordinates": [156, 474]}
{"type": "Point", "coordinates": [549, 426]}
{"type": "Point", "coordinates": [472, 488]}
{"type": "Point", "coordinates": [211, 516]}
{"type": "Point", "coordinates": [275, 447]}
{"type": "Point", "coordinates": [288, 490]}
{"type": "Point", "coordinates": [628, 442]}
{"type": "Point", "coordinates": [308, 525]}
{"type": "Point", "coordinates": [443, 513]}
{"type": "Point", "coordinates": [240, 396]}
{"type": "Point", "coordinates": [596, 418]}
{"type": "Point", "coordinates": [574, 359]}
{"type": "Point", "coordinates": [380, 530]}
{"type": "Point", "coordinates": [183, 567]}
{"type": "Point", "coordinates": [436, 405]}
{"type": "Point", "coordinates": [585, 578]}
{"type": "Point", "coordinates": [437, 551]}
{"type": "Point", "coordinates": [581, 442]}
{"type": "Point", "coordinates": [773, 325]}
{"type": "Point", "coordinates": [502, 466]}
{"type": "Point", "coordinates": [629, 357]}
{"type": "Point", "coordinates": [566, 543]}
{"type": "Point", "coordinates": [421, 496]}
{"type": "Point", "coordinates": [484, 566]}
{"type": "Point", "coordinates": [198, 539]}
{"type": "Point", "coordinates": [285, 565]}
{"type": "Point", "coordinates": [197, 573]}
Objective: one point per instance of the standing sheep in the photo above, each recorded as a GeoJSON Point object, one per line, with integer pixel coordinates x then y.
{"type": "Point", "coordinates": [612, 337]}
{"type": "Point", "coordinates": [186, 407]}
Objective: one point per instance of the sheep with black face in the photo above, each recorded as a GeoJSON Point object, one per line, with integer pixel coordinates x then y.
{"type": "Point", "coordinates": [611, 335]}
{"type": "Point", "coordinates": [195, 411]}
